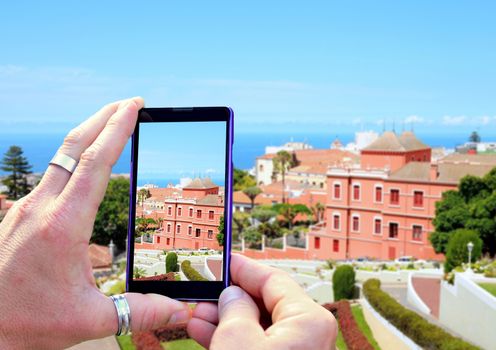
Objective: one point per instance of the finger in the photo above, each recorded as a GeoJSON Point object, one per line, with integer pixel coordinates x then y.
{"type": "Point", "coordinates": [201, 331]}
{"type": "Point", "coordinates": [207, 311]}
{"type": "Point", "coordinates": [260, 281]}
{"type": "Point", "coordinates": [148, 311]}
{"type": "Point", "coordinates": [237, 311]}
{"type": "Point", "coordinates": [74, 144]}
{"type": "Point", "coordinates": [87, 185]}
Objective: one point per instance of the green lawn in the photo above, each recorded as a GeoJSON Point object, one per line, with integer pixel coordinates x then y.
{"type": "Point", "coordinates": [183, 344]}
{"type": "Point", "coordinates": [125, 342]}
{"type": "Point", "coordinates": [364, 327]}
{"type": "Point", "coordinates": [340, 344]}
{"type": "Point", "coordinates": [490, 287]}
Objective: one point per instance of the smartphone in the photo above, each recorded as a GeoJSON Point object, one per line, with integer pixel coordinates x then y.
{"type": "Point", "coordinates": [179, 232]}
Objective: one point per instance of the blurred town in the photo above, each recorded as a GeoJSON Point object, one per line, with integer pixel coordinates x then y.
{"type": "Point", "coordinates": [385, 220]}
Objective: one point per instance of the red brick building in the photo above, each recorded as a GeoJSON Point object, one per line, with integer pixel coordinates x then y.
{"type": "Point", "coordinates": [188, 218]}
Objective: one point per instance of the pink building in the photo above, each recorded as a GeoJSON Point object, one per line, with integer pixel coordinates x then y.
{"type": "Point", "coordinates": [188, 218]}
{"type": "Point", "coordinates": [384, 208]}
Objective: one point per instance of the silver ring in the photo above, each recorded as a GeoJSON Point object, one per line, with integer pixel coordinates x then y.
{"type": "Point", "coordinates": [123, 314]}
{"type": "Point", "coordinates": [64, 161]}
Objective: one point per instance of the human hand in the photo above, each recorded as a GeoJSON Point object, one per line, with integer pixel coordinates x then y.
{"type": "Point", "coordinates": [297, 321]}
{"type": "Point", "coordinates": [48, 296]}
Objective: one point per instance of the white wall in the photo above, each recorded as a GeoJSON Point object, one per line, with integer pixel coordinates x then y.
{"type": "Point", "coordinates": [469, 310]}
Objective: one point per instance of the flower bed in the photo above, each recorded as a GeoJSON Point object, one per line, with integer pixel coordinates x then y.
{"type": "Point", "coordinates": [169, 276]}
{"type": "Point", "coordinates": [353, 336]}
{"type": "Point", "coordinates": [410, 323]}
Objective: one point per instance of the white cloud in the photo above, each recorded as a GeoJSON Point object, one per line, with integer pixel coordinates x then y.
{"type": "Point", "coordinates": [356, 121]}
{"type": "Point", "coordinates": [485, 120]}
{"type": "Point", "coordinates": [453, 121]}
{"type": "Point", "coordinates": [414, 119]}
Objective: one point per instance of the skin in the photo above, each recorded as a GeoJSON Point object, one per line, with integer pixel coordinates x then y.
{"type": "Point", "coordinates": [48, 296]}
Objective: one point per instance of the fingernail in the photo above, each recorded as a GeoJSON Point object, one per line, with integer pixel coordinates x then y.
{"type": "Point", "coordinates": [230, 294]}
{"type": "Point", "coordinates": [131, 105]}
{"type": "Point", "coordinates": [180, 317]}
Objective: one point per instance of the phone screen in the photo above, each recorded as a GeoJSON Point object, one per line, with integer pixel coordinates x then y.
{"type": "Point", "coordinates": [180, 201]}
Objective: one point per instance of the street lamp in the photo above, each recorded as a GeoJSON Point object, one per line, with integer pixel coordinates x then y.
{"type": "Point", "coordinates": [470, 246]}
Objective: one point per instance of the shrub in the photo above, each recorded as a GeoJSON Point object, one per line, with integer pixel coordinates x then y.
{"type": "Point", "coordinates": [410, 323]}
{"type": "Point", "coordinates": [171, 262]}
{"type": "Point", "coordinates": [343, 282]}
{"type": "Point", "coordinates": [457, 252]}
{"type": "Point", "coordinates": [169, 276]}
{"type": "Point", "coordinates": [490, 270]}
{"type": "Point", "coordinates": [118, 288]}
{"type": "Point", "coordinates": [353, 336]}
{"type": "Point", "coordinates": [190, 272]}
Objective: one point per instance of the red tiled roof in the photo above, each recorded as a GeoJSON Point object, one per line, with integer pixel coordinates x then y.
{"type": "Point", "coordinates": [99, 256]}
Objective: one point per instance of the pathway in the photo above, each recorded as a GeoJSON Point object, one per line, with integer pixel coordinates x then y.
{"type": "Point", "coordinates": [429, 290]}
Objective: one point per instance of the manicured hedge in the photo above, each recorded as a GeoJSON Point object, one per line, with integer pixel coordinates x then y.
{"type": "Point", "coordinates": [171, 262]}
{"type": "Point", "coordinates": [353, 336]}
{"type": "Point", "coordinates": [146, 341]}
{"type": "Point", "coordinates": [425, 334]}
{"type": "Point", "coordinates": [164, 277]}
{"type": "Point", "coordinates": [190, 272]}
{"type": "Point", "coordinates": [343, 282]}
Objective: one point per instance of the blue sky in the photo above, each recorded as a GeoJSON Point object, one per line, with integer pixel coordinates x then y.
{"type": "Point", "coordinates": [174, 150]}
{"type": "Point", "coordinates": [283, 66]}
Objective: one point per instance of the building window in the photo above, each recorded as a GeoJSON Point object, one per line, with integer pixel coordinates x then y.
{"type": "Point", "coordinates": [356, 192]}
{"type": "Point", "coordinates": [393, 230]}
{"type": "Point", "coordinates": [158, 240]}
{"type": "Point", "coordinates": [168, 241]}
{"type": "Point", "coordinates": [316, 242]}
{"type": "Point", "coordinates": [191, 212]}
{"type": "Point", "coordinates": [190, 230]}
{"type": "Point", "coordinates": [337, 191]}
{"type": "Point", "coordinates": [198, 214]}
{"type": "Point", "coordinates": [395, 197]}
{"type": "Point", "coordinates": [168, 227]}
{"type": "Point", "coordinates": [169, 211]}
{"type": "Point", "coordinates": [417, 233]}
{"type": "Point", "coordinates": [211, 215]}
{"type": "Point", "coordinates": [321, 185]}
{"type": "Point", "coordinates": [198, 232]}
{"type": "Point", "coordinates": [335, 222]}
{"type": "Point", "coordinates": [178, 230]}
{"type": "Point", "coordinates": [378, 194]}
{"type": "Point", "coordinates": [356, 224]}
{"type": "Point", "coordinates": [210, 234]}
{"type": "Point", "coordinates": [179, 211]}
{"type": "Point", "coordinates": [335, 245]}
{"type": "Point", "coordinates": [377, 226]}
{"type": "Point", "coordinates": [261, 167]}
{"type": "Point", "coordinates": [418, 199]}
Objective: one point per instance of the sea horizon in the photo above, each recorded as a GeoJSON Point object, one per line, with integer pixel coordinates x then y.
{"type": "Point", "coordinates": [40, 148]}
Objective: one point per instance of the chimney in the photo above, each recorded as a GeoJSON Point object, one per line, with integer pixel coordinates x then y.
{"type": "Point", "coordinates": [434, 172]}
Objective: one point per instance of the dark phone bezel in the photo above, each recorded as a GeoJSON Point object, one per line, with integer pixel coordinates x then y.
{"type": "Point", "coordinates": [182, 290]}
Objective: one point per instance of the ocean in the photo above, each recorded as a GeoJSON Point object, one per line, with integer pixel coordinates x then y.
{"type": "Point", "coordinates": [39, 149]}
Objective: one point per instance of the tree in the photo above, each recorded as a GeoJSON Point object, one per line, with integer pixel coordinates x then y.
{"type": "Point", "coordinates": [472, 207]}
{"type": "Point", "coordinates": [474, 137]}
{"type": "Point", "coordinates": [343, 282]}
{"type": "Point", "coordinates": [144, 225]}
{"type": "Point", "coordinates": [282, 162]}
{"type": "Point", "coordinates": [263, 214]}
{"type": "Point", "coordinates": [252, 193]}
{"type": "Point", "coordinates": [171, 262]}
{"type": "Point", "coordinates": [17, 167]}
{"type": "Point", "coordinates": [143, 194]}
{"type": "Point", "coordinates": [112, 216]}
{"type": "Point", "coordinates": [318, 211]}
{"type": "Point", "coordinates": [242, 179]}
{"type": "Point", "coordinates": [457, 251]}
{"type": "Point", "coordinates": [240, 222]}
{"type": "Point", "coordinates": [220, 235]}
{"type": "Point", "coordinates": [290, 211]}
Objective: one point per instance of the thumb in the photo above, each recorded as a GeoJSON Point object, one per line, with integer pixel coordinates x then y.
{"type": "Point", "coordinates": [147, 311]}
{"type": "Point", "coordinates": [238, 320]}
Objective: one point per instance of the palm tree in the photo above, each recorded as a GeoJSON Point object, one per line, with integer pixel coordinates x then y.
{"type": "Point", "coordinates": [252, 193]}
{"type": "Point", "coordinates": [282, 162]}
{"type": "Point", "coordinates": [240, 221]}
{"type": "Point", "coordinates": [317, 211]}
{"type": "Point", "coordinates": [143, 194]}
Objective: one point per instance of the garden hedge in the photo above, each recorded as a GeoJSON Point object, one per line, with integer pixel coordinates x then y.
{"type": "Point", "coordinates": [171, 262]}
{"type": "Point", "coordinates": [190, 272]}
{"type": "Point", "coordinates": [353, 336]}
{"type": "Point", "coordinates": [414, 326]}
{"type": "Point", "coordinates": [343, 282]}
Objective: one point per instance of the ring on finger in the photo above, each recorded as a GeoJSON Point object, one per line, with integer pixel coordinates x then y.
{"type": "Point", "coordinates": [64, 161]}
{"type": "Point", "coordinates": [123, 314]}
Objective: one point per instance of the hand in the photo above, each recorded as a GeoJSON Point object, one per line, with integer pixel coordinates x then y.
{"type": "Point", "coordinates": [297, 321]}
{"type": "Point", "coordinates": [48, 296]}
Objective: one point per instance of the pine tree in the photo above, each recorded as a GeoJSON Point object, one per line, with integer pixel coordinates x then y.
{"type": "Point", "coordinates": [17, 168]}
